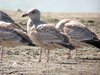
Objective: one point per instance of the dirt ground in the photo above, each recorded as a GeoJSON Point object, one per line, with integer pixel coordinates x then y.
{"type": "Point", "coordinates": [23, 59]}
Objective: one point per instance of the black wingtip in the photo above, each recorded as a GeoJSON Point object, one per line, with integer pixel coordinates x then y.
{"type": "Point", "coordinates": [95, 43]}
{"type": "Point", "coordinates": [70, 46]}
{"type": "Point", "coordinates": [31, 44]}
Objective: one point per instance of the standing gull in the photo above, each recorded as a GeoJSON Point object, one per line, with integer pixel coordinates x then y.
{"type": "Point", "coordinates": [6, 22]}
{"type": "Point", "coordinates": [11, 34]}
{"type": "Point", "coordinates": [78, 32]}
{"type": "Point", "coordinates": [45, 35]}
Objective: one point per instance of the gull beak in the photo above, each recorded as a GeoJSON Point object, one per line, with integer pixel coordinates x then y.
{"type": "Point", "coordinates": [24, 15]}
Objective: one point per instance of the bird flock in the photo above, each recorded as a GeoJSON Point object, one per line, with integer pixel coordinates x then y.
{"type": "Point", "coordinates": [65, 34]}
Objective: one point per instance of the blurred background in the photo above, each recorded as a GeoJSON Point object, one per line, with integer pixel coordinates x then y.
{"type": "Point", "coordinates": [53, 5]}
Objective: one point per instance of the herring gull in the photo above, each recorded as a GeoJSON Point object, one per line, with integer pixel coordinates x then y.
{"type": "Point", "coordinates": [11, 34]}
{"type": "Point", "coordinates": [45, 35]}
{"type": "Point", "coordinates": [78, 32]}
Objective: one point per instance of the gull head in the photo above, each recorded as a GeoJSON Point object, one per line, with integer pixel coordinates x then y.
{"type": "Point", "coordinates": [33, 14]}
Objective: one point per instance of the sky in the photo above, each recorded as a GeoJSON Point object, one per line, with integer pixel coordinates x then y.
{"type": "Point", "coordinates": [53, 5]}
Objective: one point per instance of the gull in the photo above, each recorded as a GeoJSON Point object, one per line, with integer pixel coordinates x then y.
{"type": "Point", "coordinates": [6, 18]}
{"type": "Point", "coordinates": [45, 35]}
{"type": "Point", "coordinates": [11, 34]}
{"type": "Point", "coordinates": [78, 32]}
{"type": "Point", "coordinates": [6, 22]}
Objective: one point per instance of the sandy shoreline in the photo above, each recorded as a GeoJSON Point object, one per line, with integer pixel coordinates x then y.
{"type": "Point", "coordinates": [23, 60]}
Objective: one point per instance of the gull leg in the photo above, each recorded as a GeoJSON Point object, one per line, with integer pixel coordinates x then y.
{"type": "Point", "coordinates": [48, 56]}
{"type": "Point", "coordinates": [74, 53]}
{"type": "Point", "coordinates": [69, 54]}
{"type": "Point", "coordinates": [1, 53]}
{"type": "Point", "coordinates": [75, 57]}
{"type": "Point", "coordinates": [40, 55]}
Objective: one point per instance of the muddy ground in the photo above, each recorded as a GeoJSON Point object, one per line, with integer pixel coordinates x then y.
{"type": "Point", "coordinates": [23, 59]}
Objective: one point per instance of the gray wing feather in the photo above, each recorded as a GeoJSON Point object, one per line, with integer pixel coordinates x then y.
{"type": "Point", "coordinates": [49, 34]}
{"type": "Point", "coordinates": [6, 34]}
{"type": "Point", "coordinates": [5, 17]}
{"type": "Point", "coordinates": [79, 32]}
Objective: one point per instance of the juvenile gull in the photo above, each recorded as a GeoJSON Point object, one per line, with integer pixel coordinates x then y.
{"type": "Point", "coordinates": [45, 35]}
{"type": "Point", "coordinates": [78, 32]}
{"type": "Point", "coordinates": [6, 18]}
{"type": "Point", "coordinates": [11, 34]}
{"type": "Point", "coordinates": [6, 22]}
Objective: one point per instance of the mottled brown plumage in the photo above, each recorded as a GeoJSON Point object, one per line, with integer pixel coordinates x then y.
{"type": "Point", "coordinates": [11, 34]}
{"type": "Point", "coordinates": [9, 31]}
{"type": "Point", "coordinates": [45, 35]}
{"type": "Point", "coordinates": [78, 32]}
{"type": "Point", "coordinates": [6, 18]}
